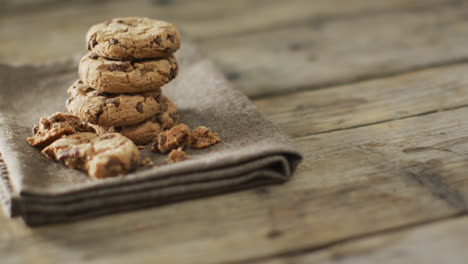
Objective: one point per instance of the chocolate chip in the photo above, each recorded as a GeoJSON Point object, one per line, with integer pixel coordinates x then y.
{"type": "Point", "coordinates": [99, 113]}
{"type": "Point", "coordinates": [88, 47]}
{"type": "Point", "coordinates": [35, 129]}
{"type": "Point", "coordinates": [181, 137]}
{"type": "Point", "coordinates": [80, 81]}
{"type": "Point", "coordinates": [157, 40]}
{"type": "Point", "coordinates": [59, 118]}
{"type": "Point", "coordinates": [139, 107]}
{"type": "Point", "coordinates": [88, 90]}
{"type": "Point", "coordinates": [83, 127]}
{"type": "Point", "coordinates": [154, 146]}
{"type": "Point", "coordinates": [114, 101]}
{"type": "Point", "coordinates": [168, 51]}
{"type": "Point", "coordinates": [157, 97]}
{"type": "Point", "coordinates": [45, 123]}
{"type": "Point", "coordinates": [93, 56]}
{"type": "Point", "coordinates": [118, 66]}
{"type": "Point", "coordinates": [162, 139]}
{"type": "Point", "coordinates": [113, 41]}
{"type": "Point", "coordinates": [117, 129]}
{"type": "Point", "coordinates": [93, 42]}
{"type": "Point", "coordinates": [118, 21]}
{"type": "Point", "coordinates": [171, 38]}
{"type": "Point", "coordinates": [173, 72]}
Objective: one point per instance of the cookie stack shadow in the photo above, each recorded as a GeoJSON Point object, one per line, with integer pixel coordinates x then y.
{"type": "Point", "coordinates": [119, 89]}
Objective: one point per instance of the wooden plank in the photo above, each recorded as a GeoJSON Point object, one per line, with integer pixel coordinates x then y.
{"type": "Point", "coordinates": [59, 29]}
{"type": "Point", "coordinates": [352, 182]}
{"type": "Point", "coordinates": [323, 53]}
{"type": "Point", "coordinates": [210, 18]}
{"type": "Point", "coordinates": [442, 242]}
{"type": "Point", "coordinates": [341, 107]}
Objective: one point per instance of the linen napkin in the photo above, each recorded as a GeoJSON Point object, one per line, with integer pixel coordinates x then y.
{"type": "Point", "coordinates": [253, 151]}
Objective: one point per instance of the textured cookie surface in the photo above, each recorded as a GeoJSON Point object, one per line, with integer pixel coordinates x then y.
{"type": "Point", "coordinates": [202, 137]}
{"type": "Point", "coordinates": [168, 116]}
{"type": "Point", "coordinates": [178, 136]}
{"type": "Point", "coordinates": [101, 156]}
{"type": "Point", "coordinates": [145, 132]}
{"type": "Point", "coordinates": [108, 110]}
{"type": "Point", "coordinates": [56, 126]}
{"type": "Point", "coordinates": [177, 155]}
{"type": "Point", "coordinates": [133, 38]}
{"type": "Point", "coordinates": [126, 76]}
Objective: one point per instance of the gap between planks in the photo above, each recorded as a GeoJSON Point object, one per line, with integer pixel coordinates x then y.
{"type": "Point", "coordinates": [326, 18]}
{"type": "Point", "coordinates": [339, 51]}
{"type": "Point", "coordinates": [359, 79]}
{"type": "Point", "coordinates": [371, 102]}
{"type": "Point", "coordinates": [390, 120]}
{"type": "Point", "coordinates": [312, 250]}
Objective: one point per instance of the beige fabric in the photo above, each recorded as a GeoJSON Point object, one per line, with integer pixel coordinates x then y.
{"type": "Point", "coordinates": [253, 150]}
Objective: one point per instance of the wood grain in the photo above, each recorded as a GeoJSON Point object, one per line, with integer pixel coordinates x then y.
{"type": "Point", "coordinates": [347, 106]}
{"type": "Point", "coordinates": [442, 242]}
{"type": "Point", "coordinates": [378, 155]}
{"type": "Point", "coordinates": [262, 46]}
{"type": "Point", "coordinates": [353, 182]}
{"type": "Point", "coordinates": [325, 53]}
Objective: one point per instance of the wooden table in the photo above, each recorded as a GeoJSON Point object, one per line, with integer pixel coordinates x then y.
{"type": "Point", "coordinates": [374, 93]}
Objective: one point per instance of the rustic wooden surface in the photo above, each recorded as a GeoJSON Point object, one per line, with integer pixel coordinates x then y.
{"type": "Point", "coordinates": [374, 93]}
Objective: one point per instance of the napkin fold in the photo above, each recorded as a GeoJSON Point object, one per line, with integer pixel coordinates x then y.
{"type": "Point", "coordinates": [253, 151]}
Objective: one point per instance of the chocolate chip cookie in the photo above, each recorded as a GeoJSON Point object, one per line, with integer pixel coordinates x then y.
{"type": "Point", "coordinates": [108, 110]}
{"type": "Point", "coordinates": [126, 76]}
{"type": "Point", "coordinates": [101, 156]}
{"type": "Point", "coordinates": [56, 126]}
{"type": "Point", "coordinates": [145, 132]}
{"type": "Point", "coordinates": [133, 38]}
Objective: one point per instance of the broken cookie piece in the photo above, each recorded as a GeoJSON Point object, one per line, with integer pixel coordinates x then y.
{"type": "Point", "coordinates": [56, 126]}
{"type": "Point", "coordinates": [178, 136]}
{"type": "Point", "coordinates": [202, 137]}
{"type": "Point", "coordinates": [101, 156]}
{"type": "Point", "coordinates": [177, 155]}
{"type": "Point", "coordinates": [147, 162]}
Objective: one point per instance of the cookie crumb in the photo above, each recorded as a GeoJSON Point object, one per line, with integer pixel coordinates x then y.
{"type": "Point", "coordinates": [178, 136]}
{"type": "Point", "coordinates": [141, 147]}
{"type": "Point", "coordinates": [202, 137]}
{"type": "Point", "coordinates": [177, 155]}
{"type": "Point", "coordinates": [147, 162]}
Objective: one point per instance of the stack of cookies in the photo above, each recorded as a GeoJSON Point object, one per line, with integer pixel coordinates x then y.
{"type": "Point", "coordinates": [119, 90]}
{"type": "Point", "coordinates": [118, 100]}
